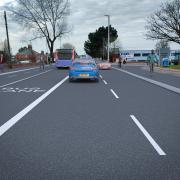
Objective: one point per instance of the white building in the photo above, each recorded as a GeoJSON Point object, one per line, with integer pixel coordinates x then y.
{"type": "Point", "coordinates": [141, 55]}
{"type": "Point", "coordinates": [135, 55]}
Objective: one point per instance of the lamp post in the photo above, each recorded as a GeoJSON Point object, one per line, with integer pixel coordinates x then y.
{"type": "Point", "coordinates": [108, 33]}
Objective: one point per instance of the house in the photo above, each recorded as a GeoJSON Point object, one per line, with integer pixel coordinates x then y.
{"type": "Point", "coordinates": [28, 54]}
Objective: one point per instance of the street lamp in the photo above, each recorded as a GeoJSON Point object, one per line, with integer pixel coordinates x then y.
{"type": "Point", "coordinates": [108, 33]}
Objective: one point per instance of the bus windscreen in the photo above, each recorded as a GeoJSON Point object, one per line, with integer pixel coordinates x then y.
{"type": "Point", "coordinates": [65, 56]}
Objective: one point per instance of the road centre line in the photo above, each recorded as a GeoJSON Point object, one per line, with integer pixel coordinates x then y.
{"type": "Point", "coordinates": [18, 71]}
{"type": "Point", "coordinates": [163, 85]}
{"type": "Point", "coordinates": [11, 122]}
{"type": "Point", "coordinates": [116, 96]}
{"type": "Point", "coordinates": [105, 82]}
{"type": "Point", "coordinates": [24, 79]}
{"type": "Point", "coordinates": [148, 136]}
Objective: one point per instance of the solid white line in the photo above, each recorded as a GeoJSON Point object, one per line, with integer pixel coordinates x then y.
{"type": "Point", "coordinates": [105, 82]}
{"type": "Point", "coordinates": [148, 136]}
{"type": "Point", "coordinates": [10, 123]}
{"type": "Point", "coordinates": [163, 85]}
{"type": "Point", "coordinates": [114, 94]}
{"type": "Point", "coordinates": [18, 71]}
{"type": "Point", "coordinates": [24, 79]}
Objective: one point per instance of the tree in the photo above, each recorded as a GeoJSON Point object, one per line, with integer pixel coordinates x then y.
{"type": "Point", "coordinates": [68, 46]}
{"type": "Point", "coordinates": [164, 24]}
{"type": "Point", "coordinates": [22, 49]}
{"type": "Point", "coordinates": [96, 45]}
{"type": "Point", "coordinates": [46, 18]}
{"type": "Point", "coordinates": [161, 44]}
{"type": "Point", "coordinates": [116, 45]}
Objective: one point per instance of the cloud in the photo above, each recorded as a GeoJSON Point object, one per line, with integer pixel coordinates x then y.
{"type": "Point", "coordinates": [128, 17]}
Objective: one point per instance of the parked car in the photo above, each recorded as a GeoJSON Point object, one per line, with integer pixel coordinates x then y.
{"type": "Point", "coordinates": [104, 65]}
{"type": "Point", "coordinates": [83, 69]}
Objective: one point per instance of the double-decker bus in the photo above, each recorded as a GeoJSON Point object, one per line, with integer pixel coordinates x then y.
{"type": "Point", "coordinates": [64, 57]}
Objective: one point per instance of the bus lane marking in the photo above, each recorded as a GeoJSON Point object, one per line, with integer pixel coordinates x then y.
{"type": "Point", "coordinates": [21, 90]}
{"type": "Point", "coordinates": [11, 122]}
{"type": "Point", "coordinates": [14, 82]}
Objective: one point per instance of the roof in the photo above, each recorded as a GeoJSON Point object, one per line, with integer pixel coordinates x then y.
{"type": "Point", "coordinates": [26, 52]}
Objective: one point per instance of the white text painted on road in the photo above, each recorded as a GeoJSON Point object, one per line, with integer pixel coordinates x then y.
{"type": "Point", "coordinates": [22, 90]}
{"type": "Point", "coordinates": [163, 85]}
{"type": "Point", "coordinates": [24, 79]}
{"type": "Point", "coordinates": [10, 123]}
{"type": "Point", "coordinates": [116, 96]}
{"type": "Point", "coordinates": [148, 136]}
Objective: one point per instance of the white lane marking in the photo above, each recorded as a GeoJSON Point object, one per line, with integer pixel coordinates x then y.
{"type": "Point", "coordinates": [24, 79]}
{"type": "Point", "coordinates": [101, 77]}
{"type": "Point", "coordinates": [163, 85]}
{"type": "Point", "coordinates": [11, 122]}
{"type": "Point", "coordinates": [114, 94]}
{"type": "Point", "coordinates": [18, 71]}
{"type": "Point", "coordinates": [11, 76]}
{"type": "Point", "coordinates": [148, 136]}
{"type": "Point", "coordinates": [105, 82]}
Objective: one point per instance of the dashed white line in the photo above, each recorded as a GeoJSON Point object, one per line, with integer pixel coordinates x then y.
{"type": "Point", "coordinates": [148, 136]}
{"type": "Point", "coordinates": [24, 79]}
{"type": "Point", "coordinates": [101, 76]}
{"type": "Point", "coordinates": [163, 85]}
{"type": "Point", "coordinates": [116, 96]}
{"type": "Point", "coordinates": [10, 123]}
{"type": "Point", "coordinates": [105, 82]}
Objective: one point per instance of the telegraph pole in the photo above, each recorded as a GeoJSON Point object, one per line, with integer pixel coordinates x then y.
{"type": "Point", "coordinates": [108, 34]}
{"type": "Point", "coordinates": [7, 34]}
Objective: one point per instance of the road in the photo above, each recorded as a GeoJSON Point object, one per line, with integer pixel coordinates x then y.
{"type": "Point", "coordinates": [123, 127]}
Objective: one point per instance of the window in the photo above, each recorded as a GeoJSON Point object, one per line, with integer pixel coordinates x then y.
{"type": "Point", "coordinates": [145, 54]}
{"type": "Point", "coordinates": [137, 55]}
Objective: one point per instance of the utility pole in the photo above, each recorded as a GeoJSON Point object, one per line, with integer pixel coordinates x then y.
{"type": "Point", "coordinates": [7, 34]}
{"type": "Point", "coordinates": [108, 16]}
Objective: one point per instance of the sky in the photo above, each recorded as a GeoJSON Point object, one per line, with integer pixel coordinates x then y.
{"type": "Point", "coordinates": [128, 17]}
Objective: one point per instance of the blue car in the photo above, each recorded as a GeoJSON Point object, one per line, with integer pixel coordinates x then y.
{"type": "Point", "coordinates": [84, 69]}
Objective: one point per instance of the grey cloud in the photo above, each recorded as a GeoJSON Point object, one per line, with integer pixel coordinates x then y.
{"type": "Point", "coordinates": [127, 16]}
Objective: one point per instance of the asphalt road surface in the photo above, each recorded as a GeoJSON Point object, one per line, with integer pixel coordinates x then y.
{"type": "Point", "coordinates": [124, 127]}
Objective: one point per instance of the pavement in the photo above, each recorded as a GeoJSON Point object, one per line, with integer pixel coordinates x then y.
{"type": "Point", "coordinates": [123, 127]}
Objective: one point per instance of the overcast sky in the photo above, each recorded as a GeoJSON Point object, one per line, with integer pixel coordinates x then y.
{"type": "Point", "coordinates": [127, 16]}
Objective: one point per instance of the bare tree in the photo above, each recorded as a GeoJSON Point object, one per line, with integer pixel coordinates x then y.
{"type": "Point", "coordinates": [164, 24]}
{"type": "Point", "coordinates": [46, 18]}
{"type": "Point", "coordinates": [68, 46]}
{"type": "Point", "coordinates": [116, 44]}
{"type": "Point", "coordinates": [162, 44]}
